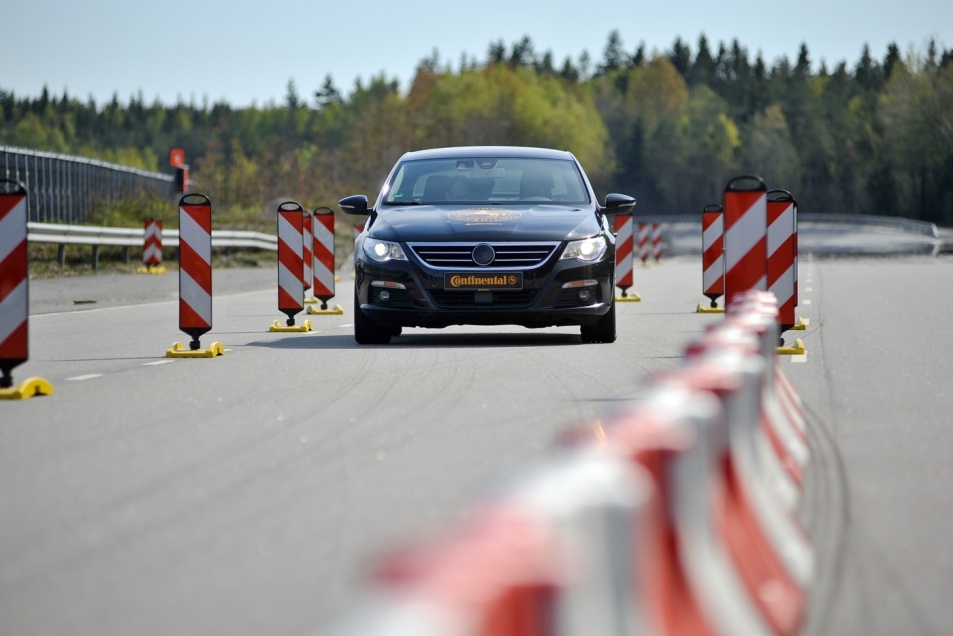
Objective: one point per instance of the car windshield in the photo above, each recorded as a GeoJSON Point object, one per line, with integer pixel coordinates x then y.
{"type": "Point", "coordinates": [487, 181]}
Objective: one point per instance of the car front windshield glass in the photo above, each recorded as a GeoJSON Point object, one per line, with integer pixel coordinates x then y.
{"type": "Point", "coordinates": [486, 181]}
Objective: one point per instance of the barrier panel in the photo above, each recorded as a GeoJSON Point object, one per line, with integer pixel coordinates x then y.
{"type": "Point", "coordinates": [713, 257]}
{"type": "Point", "coordinates": [657, 242]}
{"type": "Point", "coordinates": [323, 265]}
{"type": "Point", "coordinates": [745, 219]}
{"type": "Point", "coordinates": [782, 254]}
{"type": "Point", "coordinates": [15, 293]}
{"type": "Point", "coordinates": [673, 515]}
{"type": "Point", "coordinates": [152, 247]}
{"type": "Point", "coordinates": [644, 231]}
{"type": "Point", "coordinates": [290, 266]}
{"type": "Point", "coordinates": [623, 257]}
{"type": "Point", "coordinates": [307, 258]}
{"type": "Point", "coordinates": [195, 277]}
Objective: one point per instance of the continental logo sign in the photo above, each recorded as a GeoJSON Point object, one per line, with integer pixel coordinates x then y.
{"type": "Point", "coordinates": [482, 216]}
{"type": "Point", "coordinates": [483, 281]}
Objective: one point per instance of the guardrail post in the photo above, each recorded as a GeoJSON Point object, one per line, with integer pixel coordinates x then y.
{"type": "Point", "coordinates": [15, 293]}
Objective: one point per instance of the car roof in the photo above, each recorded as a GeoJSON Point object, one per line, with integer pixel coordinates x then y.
{"type": "Point", "coordinates": [488, 151]}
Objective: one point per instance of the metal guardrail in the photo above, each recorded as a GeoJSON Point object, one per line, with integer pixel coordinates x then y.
{"type": "Point", "coordinates": [909, 226]}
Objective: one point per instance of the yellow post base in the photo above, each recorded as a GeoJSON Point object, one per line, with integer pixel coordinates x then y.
{"type": "Point", "coordinates": [701, 309]}
{"type": "Point", "coordinates": [310, 301]}
{"type": "Point", "coordinates": [276, 326]}
{"type": "Point", "coordinates": [28, 388]}
{"type": "Point", "coordinates": [801, 324]}
{"type": "Point", "coordinates": [337, 310]}
{"type": "Point", "coordinates": [631, 298]}
{"type": "Point", "coordinates": [797, 350]}
{"type": "Point", "coordinates": [152, 269]}
{"type": "Point", "coordinates": [179, 351]}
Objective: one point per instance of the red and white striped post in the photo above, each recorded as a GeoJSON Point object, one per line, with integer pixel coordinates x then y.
{"type": "Point", "coordinates": [623, 252]}
{"type": "Point", "coordinates": [290, 261]}
{"type": "Point", "coordinates": [14, 280]}
{"type": "Point", "coordinates": [195, 267]}
{"type": "Point", "coordinates": [152, 243]}
{"type": "Point", "coordinates": [657, 241]}
{"type": "Point", "coordinates": [306, 243]}
{"type": "Point", "coordinates": [746, 228]}
{"type": "Point", "coordinates": [782, 254]}
{"type": "Point", "coordinates": [713, 257]}
{"type": "Point", "coordinates": [644, 231]}
{"type": "Point", "coordinates": [323, 285]}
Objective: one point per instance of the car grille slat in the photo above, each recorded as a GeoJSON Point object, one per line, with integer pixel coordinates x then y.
{"type": "Point", "coordinates": [508, 255]}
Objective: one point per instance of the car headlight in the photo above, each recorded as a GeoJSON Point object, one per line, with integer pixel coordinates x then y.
{"type": "Point", "coordinates": [586, 250]}
{"type": "Point", "coordinates": [383, 251]}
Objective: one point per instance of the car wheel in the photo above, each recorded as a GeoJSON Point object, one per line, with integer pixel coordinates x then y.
{"type": "Point", "coordinates": [603, 330]}
{"type": "Point", "coordinates": [366, 330]}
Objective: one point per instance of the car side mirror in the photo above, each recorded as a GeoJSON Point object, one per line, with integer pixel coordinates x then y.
{"type": "Point", "coordinates": [618, 204]}
{"type": "Point", "coordinates": [354, 204]}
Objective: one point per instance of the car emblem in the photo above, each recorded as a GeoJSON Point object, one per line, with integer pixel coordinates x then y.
{"type": "Point", "coordinates": [483, 254]}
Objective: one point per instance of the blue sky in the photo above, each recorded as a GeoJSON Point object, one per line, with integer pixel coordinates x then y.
{"type": "Point", "coordinates": [245, 52]}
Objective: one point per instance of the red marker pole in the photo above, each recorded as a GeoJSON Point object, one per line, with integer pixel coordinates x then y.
{"type": "Point", "coordinates": [713, 258]}
{"type": "Point", "coordinates": [657, 241]}
{"type": "Point", "coordinates": [323, 228]}
{"type": "Point", "coordinates": [195, 267]}
{"type": "Point", "coordinates": [290, 262]}
{"type": "Point", "coordinates": [623, 253]}
{"type": "Point", "coordinates": [782, 254]}
{"type": "Point", "coordinates": [14, 280]}
{"type": "Point", "coordinates": [746, 227]}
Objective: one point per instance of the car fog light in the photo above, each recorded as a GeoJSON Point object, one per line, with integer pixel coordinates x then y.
{"type": "Point", "coordinates": [383, 295]}
{"type": "Point", "coordinates": [584, 295]}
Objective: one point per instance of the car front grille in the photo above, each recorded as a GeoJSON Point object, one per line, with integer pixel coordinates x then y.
{"type": "Point", "coordinates": [500, 298]}
{"type": "Point", "coordinates": [460, 255]}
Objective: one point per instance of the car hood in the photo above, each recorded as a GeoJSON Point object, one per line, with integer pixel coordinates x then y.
{"type": "Point", "coordinates": [488, 223]}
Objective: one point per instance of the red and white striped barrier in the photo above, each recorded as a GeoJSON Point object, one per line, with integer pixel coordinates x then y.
{"type": "Point", "coordinates": [15, 293]}
{"type": "Point", "coordinates": [782, 254]}
{"type": "Point", "coordinates": [152, 243]}
{"type": "Point", "coordinates": [623, 253]}
{"type": "Point", "coordinates": [307, 242]}
{"type": "Point", "coordinates": [746, 227]}
{"type": "Point", "coordinates": [323, 286]}
{"type": "Point", "coordinates": [663, 518]}
{"type": "Point", "coordinates": [290, 266]}
{"type": "Point", "coordinates": [713, 257]}
{"type": "Point", "coordinates": [657, 242]}
{"type": "Point", "coordinates": [645, 231]}
{"type": "Point", "coordinates": [195, 276]}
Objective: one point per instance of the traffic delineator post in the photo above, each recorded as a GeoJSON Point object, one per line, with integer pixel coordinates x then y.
{"type": "Point", "coordinates": [195, 276]}
{"type": "Point", "coordinates": [713, 257]}
{"type": "Point", "coordinates": [307, 258]}
{"type": "Point", "coordinates": [322, 287]}
{"type": "Point", "coordinates": [657, 242]}
{"type": "Point", "coordinates": [623, 258]}
{"type": "Point", "coordinates": [782, 254]}
{"type": "Point", "coordinates": [745, 236]}
{"type": "Point", "coordinates": [290, 266]}
{"type": "Point", "coordinates": [644, 231]}
{"type": "Point", "coordinates": [152, 248]}
{"type": "Point", "coordinates": [15, 293]}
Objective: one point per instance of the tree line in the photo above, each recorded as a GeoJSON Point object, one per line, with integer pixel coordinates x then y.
{"type": "Point", "coordinates": [670, 128]}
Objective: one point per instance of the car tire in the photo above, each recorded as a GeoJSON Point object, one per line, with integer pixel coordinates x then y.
{"type": "Point", "coordinates": [603, 330]}
{"type": "Point", "coordinates": [366, 330]}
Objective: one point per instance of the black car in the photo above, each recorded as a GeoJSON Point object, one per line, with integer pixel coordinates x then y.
{"type": "Point", "coordinates": [485, 236]}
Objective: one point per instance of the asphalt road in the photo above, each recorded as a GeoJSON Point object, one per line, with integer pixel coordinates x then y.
{"type": "Point", "coordinates": [247, 494]}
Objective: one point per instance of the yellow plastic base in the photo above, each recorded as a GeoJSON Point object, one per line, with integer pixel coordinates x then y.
{"type": "Point", "coordinates": [179, 351]}
{"type": "Point", "coordinates": [337, 310]}
{"type": "Point", "coordinates": [797, 350]}
{"type": "Point", "coordinates": [801, 324]}
{"type": "Point", "coordinates": [28, 388]}
{"type": "Point", "coordinates": [701, 309]}
{"type": "Point", "coordinates": [276, 326]}
{"type": "Point", "coordinates": [631, 298]}
{"type": "Point", "coordinates": [152, 269]}
{"type": "Point", "coordinates": [310, 301]}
